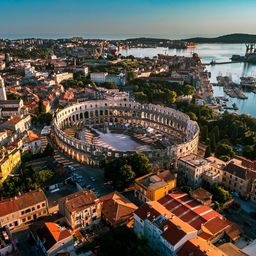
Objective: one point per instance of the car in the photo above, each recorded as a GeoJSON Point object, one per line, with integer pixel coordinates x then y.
{"type": "Point", "coordinates": [89, 186]}
{"type": "Point", "coordinates": [71, 168]}
{"type": "Point", "coordinates": [93, 179]}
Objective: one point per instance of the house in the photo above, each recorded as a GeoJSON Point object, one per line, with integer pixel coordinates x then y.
{"type": "Point", "coordinates": [22, 209]}
{"type": "Point", "coordinates": [117, 210]}
{"type": "Point", "coordinates": [154, 186]}
{"type": "Point", "coordinates": [52, 238]}
{"type": "Point", "coordinates": [11, 108]}
{"type": "Point", "coordinates": [81, 209]}
{"type": "Point", "coordinates": [31, 143]}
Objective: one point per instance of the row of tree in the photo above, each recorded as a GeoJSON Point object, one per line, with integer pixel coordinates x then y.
{"type": "Point", "coordinates": [25, 181]}
{"type": "Point", "coordinates": [159, 91]}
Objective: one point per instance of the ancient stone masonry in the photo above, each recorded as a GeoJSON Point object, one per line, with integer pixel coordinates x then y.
{"type": "Point", "coordinates": [175, 125]}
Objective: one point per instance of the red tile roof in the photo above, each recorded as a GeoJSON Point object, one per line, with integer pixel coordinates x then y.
{"type": "Point", "coordinates": [57, 232]}
{"type": "Point", "coordinates": [116, 208]}
{"type": "Point", "coordinates": [18, 203]}
{"type": "Point", "coordinates": [217, 225]}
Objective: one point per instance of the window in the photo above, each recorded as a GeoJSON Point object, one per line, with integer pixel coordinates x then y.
{"type": "Point", "coordinates": [38, 207]}
{"type": "Point", "coordinates": [43, 204]}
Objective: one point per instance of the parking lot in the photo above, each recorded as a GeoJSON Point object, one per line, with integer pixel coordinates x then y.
{"type": "Point", "coordinates": [91, 178]}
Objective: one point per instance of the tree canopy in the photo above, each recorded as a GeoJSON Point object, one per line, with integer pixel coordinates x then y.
{"type": "Point", "coordinates": [123, 170]}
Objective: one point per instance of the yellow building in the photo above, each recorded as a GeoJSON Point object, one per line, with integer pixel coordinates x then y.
{"type": "Point", "coordinates": [153, 187]}
{"type": "Point", "coordinates": [9, 161]}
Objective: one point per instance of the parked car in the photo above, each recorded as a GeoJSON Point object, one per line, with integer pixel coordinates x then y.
{"type": "Point", "coordinates": [93, 179]}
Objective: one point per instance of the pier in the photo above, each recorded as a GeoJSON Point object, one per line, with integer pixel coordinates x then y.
{"type": "Point", "coordinates": [212, 63]}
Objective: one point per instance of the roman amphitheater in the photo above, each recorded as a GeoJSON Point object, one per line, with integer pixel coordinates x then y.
{"type": "Point", "coordinates": [92, 130]}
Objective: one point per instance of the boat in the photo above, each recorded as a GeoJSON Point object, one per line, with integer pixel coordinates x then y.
{"type": "Point", "coordinates": [249, 82]}
{"type": "Point", "coordinates": [250, 55]}
{"type": "Point", "coordinates": [234, 106]}
{"type": "Point", "coordinates": [190, 45]}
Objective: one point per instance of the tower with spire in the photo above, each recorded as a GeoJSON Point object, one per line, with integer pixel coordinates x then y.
{"type": "Point", "coordinates": [2, 89]}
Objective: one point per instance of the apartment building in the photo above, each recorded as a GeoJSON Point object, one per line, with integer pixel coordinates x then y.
{"type": "Point", "coordinates": [9, 161]}
{"type": "Point", "coordinates": [191, 168]}
{"type": "Point", "coordinates": [19, 124]}
{"type": "Point", "coordinates": [238, 178]}
{"type": "Point", "coordinates": [23, 209]}
{"type": "Point", "coordinates": [63, 76]}
{"type": "Point", "coordinates": [153, 187]}
{"type": "Point", "coordinates": [80, 209]}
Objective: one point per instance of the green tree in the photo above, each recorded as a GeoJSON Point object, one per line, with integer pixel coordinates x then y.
{"type": "Point", "coordinates": [141, 97]}
{"type": "Point", "coordinates": [249, 151]}
{"type": "Point", "coordinates": [171, 97]}
{"type": "Point", "coordinates": [224, 149]}
{"type": "Point", "coordinates": [130, 76]}
{"type": "Point", "coordinates": [220, 194]}
{"type": "Point", "coordinates": [188, 90]}
{"type": "Point", "coordinates": [43, 119]}
{"type": "Point", "coordinates": [124, 177]}
{"type": "Point", "coordinates": [140, 163]}
{"type": "Point", "coordinates": [43, 175]}
{"type": "Point", "coordinates": [192, 116]}
{"type": "Point", "coordinates": [208, 151]}
{"type": "Point", "coordinates": [212, 141]}
{"type": "Point", "coordinates": [216, 132]}
{"type": "Point", "coordinates": [204, 133]}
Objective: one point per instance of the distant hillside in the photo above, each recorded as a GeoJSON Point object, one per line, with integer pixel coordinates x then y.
{"type": "Point", "coordinates": [229, 39]}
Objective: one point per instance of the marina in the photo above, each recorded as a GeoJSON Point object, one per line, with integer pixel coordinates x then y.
{"type": "Point", "coordinates": [219, 53]}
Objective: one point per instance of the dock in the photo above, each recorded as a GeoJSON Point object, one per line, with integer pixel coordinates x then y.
{"type": "Point", "coordinates": [212, 63]}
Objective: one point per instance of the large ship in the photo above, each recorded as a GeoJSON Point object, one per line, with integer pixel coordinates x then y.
{"type": "Point", "coordinates": [250, 55]}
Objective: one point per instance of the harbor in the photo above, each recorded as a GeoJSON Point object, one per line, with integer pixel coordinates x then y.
{"type": "Point", "coordinates": [219, 53]}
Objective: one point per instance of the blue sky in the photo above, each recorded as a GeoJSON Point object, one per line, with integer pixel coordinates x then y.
{"type": "Point", "coordinates": [121, 18]}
